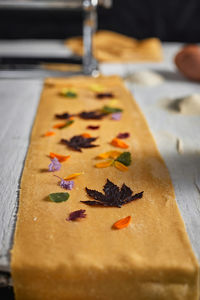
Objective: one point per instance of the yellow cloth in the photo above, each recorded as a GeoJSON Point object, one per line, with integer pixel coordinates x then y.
{"type": "Point", "coordinates": [56, 259]}
{"type": "Point", "coordinates": [109, 46]}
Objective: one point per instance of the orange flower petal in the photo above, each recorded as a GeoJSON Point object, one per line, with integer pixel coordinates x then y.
{"type": "Point", "coordinates": [72, 176]}
{"type": "Point", "coordinates": [122, 223]}
{"type": "Point", "coordinates": [104, 164]}
{"type": "Point", "coordinates": [49, 133]}
{"type": "Point", "coordinates": [120, 166]}
{"type": "Point", "coordinates": [109, 154]}
{"type": "Point", "coordinates": [59, 125]}
{"type": "Point", "coordinates": [60, 157]}
{"type": "Point", "coordinates": [86, 135]}
{"type": "Point", "coordinates": [119, 143]}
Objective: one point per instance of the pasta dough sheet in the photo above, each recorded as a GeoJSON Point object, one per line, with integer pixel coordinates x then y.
{"type": "Point", "coordinates": [56, 259]}
{"type": "Point", "coordinates": [110, 46]}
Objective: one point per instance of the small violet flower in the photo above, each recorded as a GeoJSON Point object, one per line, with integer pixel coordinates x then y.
{"type": "Point", "coordinates": [55, 165]}
{"type": "Point", "coordinates": [66, 184]}
{"type": "Point", "coordinates": [116, 116]}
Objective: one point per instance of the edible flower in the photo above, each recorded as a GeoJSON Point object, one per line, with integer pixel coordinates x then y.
{"type": "Point", "coordinates": [123, 135]}
{"type": "Point", "coordinates": [61, 158]}
{"type": "Point", "coordinates": [120, 160]}
{"type": "Point", "coordinates": [63, 124]}
{"type": "Point", "coordinates": [49, 133]}
{"type": "Point", "coordinates": [116, 116]}
{"type": "Point", "coordinates": [122, 223]}
{"type": "Point", "coordinates": [54, 165]}
{"type": "Point", "coordinates": [68, 185]}
{"type": "Point", "coordinates": [72, 176]}
{"type": "Point", "coordinates": [77, 214]}
{"type": "Point", "coordinates": [118, 143]}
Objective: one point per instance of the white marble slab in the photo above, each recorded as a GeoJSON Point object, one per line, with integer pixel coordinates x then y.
{"type": "Point", "coordinates": [18, 103]}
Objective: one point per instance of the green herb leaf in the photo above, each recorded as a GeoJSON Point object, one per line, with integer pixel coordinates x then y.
{"type": "Point", "coordinates": [59, 197]}
{"type": "Point", "coordinates": [68, 123]}
{"type": "Point", "coordinates": [70, 94]}
{"type": "Point", "coordinates": [124, 158]}
{"type": "Point", "coordinates": [110, 110]}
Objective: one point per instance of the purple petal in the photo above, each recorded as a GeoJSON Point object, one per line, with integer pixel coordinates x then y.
{"type": "Point", "coordinates": [116, 116]}
{"type": "Point", "coordinates": [123, 135]}
{"type": "Point", "coordinates": [76, 214]}
{"type": "Point", "coordinates": [68, 185]}
{"type": "Point", "coordinates": [55, 165]}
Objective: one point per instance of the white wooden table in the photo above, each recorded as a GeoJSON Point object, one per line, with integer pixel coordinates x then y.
{"type": "Point", "coordinates": [18, 104]}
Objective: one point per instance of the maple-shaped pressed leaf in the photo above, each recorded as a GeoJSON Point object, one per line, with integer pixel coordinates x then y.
{"type": "Point", "coordinates": [78, 141]}
{"type": "Point", "coordinates": [92, 115]}
{"type": "Point", "coordinates": [113, 195]}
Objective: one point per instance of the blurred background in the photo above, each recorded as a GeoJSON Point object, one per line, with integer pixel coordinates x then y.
{"type": "Point", "coordinates": [172, 20]}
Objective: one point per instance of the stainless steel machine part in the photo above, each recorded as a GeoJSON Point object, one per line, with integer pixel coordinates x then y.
{"type": "Point", "coordinates": [89, 7]}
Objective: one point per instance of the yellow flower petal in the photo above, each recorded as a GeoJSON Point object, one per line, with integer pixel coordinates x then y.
{"type": "Point", "coordinates": [113, 102]}
{"type": "Point", "coordinates": [120, 166]}
{"type": "Point", "coordinates": [96, 88]}
{"type": "Point", "coordinates": [104, 164]}
{"type": "Point", "coordinates": [72, 176]}
{"type": "Point", "coordinates": [109, 154]}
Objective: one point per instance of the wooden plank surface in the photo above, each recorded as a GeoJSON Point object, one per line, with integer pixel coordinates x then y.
{"type": "Point", "coordinates": [19, 99]}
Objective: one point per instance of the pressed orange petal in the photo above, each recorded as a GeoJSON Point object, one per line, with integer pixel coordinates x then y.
{"type": "Point", "coordinates": [104, 164]}
{"type": "Point", "coordinates": [120, 166]}
{"type": "Point", "coordinates": [122, 223]}
{"type": "Point", "coordinates": [72, 176]}
{"type": "Point", "coordinates": [86, 135]}
{"type": "Point", "coordinates": [111, 154]}
{"type": "Point", "coordinates": [114, 154]}
{"type": "Point", "coordinates": [60, 157]}
{"type": "Point", "coordinates": [119, 143]}
{"type": "Point", "coordinates": [49, 133]}
{"type": "Point", "coordinates": [59, 125]}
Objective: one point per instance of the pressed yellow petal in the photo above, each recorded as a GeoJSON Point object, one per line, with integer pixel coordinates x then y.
{"type": "Point", "coordinates": [72, 176]}
{"type": "Point", "coordinates": [96, 88]}
{"type": "Point", "coordinates": [113, 102]}
{"type": "Point", "coordinates": [104, 164]}
{"type": "Point", "coordinates": [120, 166]}
{"type": "Point", "coordinates": [109, 154]}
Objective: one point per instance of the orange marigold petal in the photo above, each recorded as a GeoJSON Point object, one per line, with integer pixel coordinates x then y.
{"type": "Point", "coordinates": [49, 133]}
{"type": "Point", "coordinates": [59, 125]}
{"type": "Point", "coordinates": [120, 166]}
{"type": "Point", "coordinates": [60, 157]}
{"type": "Point", "coordinates": [72, 176]}
{"type": "Point", "coordinates": [122, 223]}
{"type": "Point", "coordinates": [119, 143]}
{"type": "Point", "coordinates": [109, 154]}
{"type": "Point", "coordinates": [86, 135]}
{"type": "Point", "coordinates": [104, 164]}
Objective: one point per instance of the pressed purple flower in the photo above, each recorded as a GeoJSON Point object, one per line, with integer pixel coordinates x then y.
{"type": "Point", "coordinates": [116, 116]}
{"type": "Point", "coordinates": [54, 165]}
{"type": "Point", "coordinates": [123, 135]}
{"type": "Point", "coordinates": [66, 184]}
{"type": "Point", "coordinates": [76, 215]}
